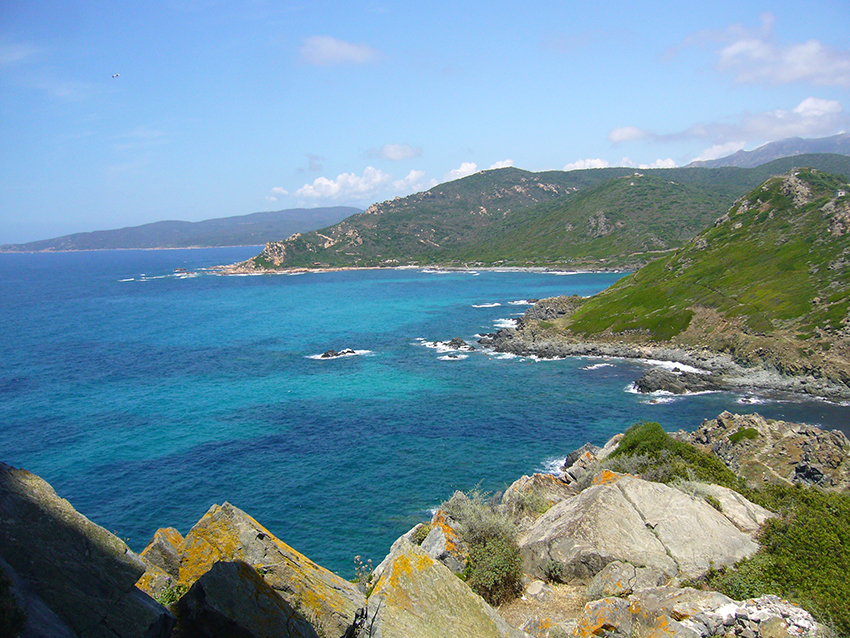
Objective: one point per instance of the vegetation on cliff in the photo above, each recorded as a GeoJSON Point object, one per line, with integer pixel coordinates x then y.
{"type": "Point", "coordinates": [599, 218]}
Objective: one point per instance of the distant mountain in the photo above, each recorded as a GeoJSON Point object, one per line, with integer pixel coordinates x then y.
{"type": "Point", "coordinates": [597, 218]}
{"type": "Point", "coordinates": [244, 230]}
{"type": "Point", "coordinates": [791, 146]}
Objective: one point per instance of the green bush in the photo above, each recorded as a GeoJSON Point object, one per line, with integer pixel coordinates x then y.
{"type": "Point", "coordinates": [744, 433]}
{"type": "Point", "coordinates": [495, 570]}
{"type": "Point", "coordinates": [494, 567]}
{"type": "Point", "coordinates": [421, 533]}
{"type": "Point", "coordinates": [646, 449]}
{"type": "Point", "coordinates": [805, 554]}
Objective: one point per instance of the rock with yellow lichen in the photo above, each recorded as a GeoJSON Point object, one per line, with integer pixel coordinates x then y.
{"type": "Point", "coordinates": [226, 534]}
{"type": "Point", "coordinates": [416, 595]}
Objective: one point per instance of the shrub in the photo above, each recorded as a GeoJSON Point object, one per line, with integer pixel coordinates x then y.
{"type": "Point", "coordinates": [805, 554]}
{"type": "Point", "coordinates": [744, 433]}
{"type": "Point", "coordinates": [418, 537]}
{"type": "Point", "coordinates": [494, 566]}
{"type": "Point", "coordinates": [495, 570]}
{"type": "Point", "coordinates": [662, 458]}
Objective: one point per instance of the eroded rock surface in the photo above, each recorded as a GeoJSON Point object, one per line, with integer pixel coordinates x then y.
{"type": "Point", "coordinates": [631, 520]}
{"type": "Point", "coordinates": [770, 451]}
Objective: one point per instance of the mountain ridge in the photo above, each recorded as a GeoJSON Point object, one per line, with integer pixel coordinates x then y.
{"type": "Point", "coordinates": [760, 298]}
{"type": "Point", "coordinates": [241, 230]}
{"type": "Point", "coordinates": [787, 147]}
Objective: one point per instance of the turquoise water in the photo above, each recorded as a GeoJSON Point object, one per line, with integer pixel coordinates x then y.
{"type": "Point", "coordinates": [144, 395]}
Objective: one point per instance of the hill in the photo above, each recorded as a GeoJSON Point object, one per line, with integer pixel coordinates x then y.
{"type": "Point", "coordinates": [767, 284]}
{"type": "Point", "coordinates": [244, 230]}
{"type": "Point", "coordinates": [781, 148]}
{"type": "Point", "coordinates": [615, 218]}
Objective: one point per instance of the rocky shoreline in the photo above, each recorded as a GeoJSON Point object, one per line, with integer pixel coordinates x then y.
{"type": "Point", "coordinates": [717, 370]}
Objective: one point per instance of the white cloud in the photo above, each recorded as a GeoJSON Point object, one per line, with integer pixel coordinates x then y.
{"type": "Point", "coordinates": [277, 190]}
{"type": "Point", "coordinates": [813, 107]}
{"type": "Point", "coordinates": [346, 185]}
{"type": "Point", "coordinates": [502, 164]}
{"type": "Point", "coordinates": [467, 168]}
{"type": "Point", "coordinates": [323, 50]}
{"type": "Point", "coordinates": [753, 56]}
{"type": "Point", "coordinates": [660, 163]}
{"type": "Point", "coordinates": [271, 198]}
{"type": "Point", "coordinates": [414, 182]}
{"type": "Point", "coordinates": [398, 152]}
{"type": "Point", "coordinates": [719, 150]}
{"type": "Point", "coordinates": [627, 134]}
{"type": "Point", "coordinates": [586, 163]}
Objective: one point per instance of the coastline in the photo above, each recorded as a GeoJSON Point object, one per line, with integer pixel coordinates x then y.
{"type": "Point", "coordinates": [720, 369]}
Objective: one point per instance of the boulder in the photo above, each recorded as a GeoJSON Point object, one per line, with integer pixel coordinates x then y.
{"type": "Point", "coordinates": [233, 599]}
{"type": "Point", "coordinates": [691, 613]}
{"type": "Point", "coordinates": [39, 621]}
{"type": "Point", "coordinates": [418, 596]}
{"type": "Point", "coordinates": [634, 521]}
{"type": "Point", "coordinates": [583, 534]}
{"type": "Point", "coordinates": [227, 534]}
{"type": "Point", "coordinates": [85, 574]}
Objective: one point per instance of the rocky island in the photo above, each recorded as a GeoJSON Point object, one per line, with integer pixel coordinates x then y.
{"type": "Point", "coordinates": [632, 538]}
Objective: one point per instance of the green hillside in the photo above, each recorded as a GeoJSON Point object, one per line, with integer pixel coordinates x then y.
{"type": "Point", "coordinates": [776, 258]}
{"type": "Point", "coordinates": [616, 218]}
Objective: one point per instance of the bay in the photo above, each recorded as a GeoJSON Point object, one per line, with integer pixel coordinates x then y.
{"type": "Point", "coordinates": [145, 388]}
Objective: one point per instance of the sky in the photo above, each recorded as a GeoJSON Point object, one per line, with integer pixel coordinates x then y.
{"type": "Point", "coordinates": [116, 113]}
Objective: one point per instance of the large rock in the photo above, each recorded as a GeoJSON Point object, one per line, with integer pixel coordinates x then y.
{"type": "Point", "coordinates": [227, 534]}
{"type": "Point", "coordinates": [769, 451]}
{"type": "Point", "coordinates": [85, 574]}
{"type": "Point", "coordinates": [418, 596]}
{"type": "Point", "coordinates": [232, 599]}
{"type": "Point", "coordinates": [634, 521]}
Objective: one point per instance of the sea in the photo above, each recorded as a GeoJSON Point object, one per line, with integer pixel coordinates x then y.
{"type": "Point", "coordinates": [145, 387]}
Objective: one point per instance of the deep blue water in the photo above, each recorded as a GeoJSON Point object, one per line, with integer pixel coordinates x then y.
{"type": "Point", "coordinates": [144, 395]}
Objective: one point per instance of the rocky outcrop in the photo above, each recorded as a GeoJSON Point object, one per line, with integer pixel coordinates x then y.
{"type": "Point", "coordinates": [691, 613]}
{"type": "Point", "coordinates": [769, 451]}
{"type": "Point", "coordinates": [83, 573]}
{"type": "Point", "coordinates": [416, 595]}
{"type": "Point", "coordinates": [582, 463]}
{"type": "Point", "coordinates": [226, 534]}
{"type": "Point", "coordinates": [631, 520]}
{"type": "Point", "coordinates": [675, 381]}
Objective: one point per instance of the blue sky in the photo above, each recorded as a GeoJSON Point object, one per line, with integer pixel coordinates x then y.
{"type": "Point", "coordinates": [231, 107]}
